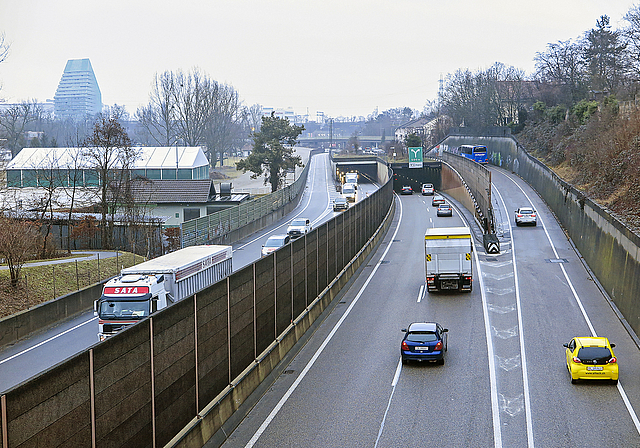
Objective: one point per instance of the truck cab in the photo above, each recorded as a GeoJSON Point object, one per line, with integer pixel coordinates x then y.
{"type": "Point", "coordinates": [349, 192]}
{"type": "Point", "coordinates": [127, 299]}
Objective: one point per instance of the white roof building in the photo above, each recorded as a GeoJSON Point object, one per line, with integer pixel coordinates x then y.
{"type": "Point", "coordinates": [32, 170]}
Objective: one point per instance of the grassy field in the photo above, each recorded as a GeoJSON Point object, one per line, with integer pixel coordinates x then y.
{"type": "Point", "coordinates": [42, 283]}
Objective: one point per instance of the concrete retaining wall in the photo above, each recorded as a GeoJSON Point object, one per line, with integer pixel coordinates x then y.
{"type": "Point", "coordinates": [611, 250]}
{"type": "Point", "coordinates": [34, 319]}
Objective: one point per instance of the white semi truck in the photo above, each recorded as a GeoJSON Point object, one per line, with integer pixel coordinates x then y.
{"type": "Point", "coordinates": [145, 288]}
{"type": "Point", "coordinates": [448, 265]}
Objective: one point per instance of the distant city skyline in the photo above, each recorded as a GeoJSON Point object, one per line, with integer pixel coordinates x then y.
{"type": "Point", "coordinates": [342, 58]}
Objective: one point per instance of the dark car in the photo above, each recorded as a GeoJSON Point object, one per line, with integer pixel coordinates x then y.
{"type": "Point", "coordinates": [340, 203]}
{"type": "Point", "coordinates": [424, 341]}
{"type": "Point", "coordinates": [406, 189]}
{"type": "Point", "coordinates": [444, 210]}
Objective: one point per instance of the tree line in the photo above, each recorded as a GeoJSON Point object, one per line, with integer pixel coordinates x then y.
{"type": "Point", "coordinates": [603, 62]}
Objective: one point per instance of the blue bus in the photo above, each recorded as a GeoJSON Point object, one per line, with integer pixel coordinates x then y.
{"type": "Point", "coordinates": [477, 153]}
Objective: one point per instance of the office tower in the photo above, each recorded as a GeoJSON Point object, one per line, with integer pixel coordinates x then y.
{"type": "Point", "coordinates": [78, 96]}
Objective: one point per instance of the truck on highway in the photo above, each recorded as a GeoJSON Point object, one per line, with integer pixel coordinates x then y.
{"type": "Point", "coordinates": [351, 178]}
{"type": "Point", "coordinates": [349, 192]}
{"type": "Point", "coordinates": [448, 265]}
{"type": "Point", "coordinates": [145, 288]}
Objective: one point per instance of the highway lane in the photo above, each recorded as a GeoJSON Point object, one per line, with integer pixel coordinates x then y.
{"type": "Point", "coordinates": [504, 382]}
{"type": "Point", "coordinates": [28, 357]}
{"type": "Point", "coordinates": [316, 203]}
{"type": "Point", "coordinates": [353, 394]}
{"type": "Point", "coordinates": [559, 300]}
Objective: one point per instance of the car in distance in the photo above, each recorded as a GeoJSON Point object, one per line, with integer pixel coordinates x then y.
{"type": "Point", "coordinates": [340, 203]}
{"type": "Point", "coordinates": [437, 200]}
{"type": "Point", "coordinates": [526, 215]}
{"type": "Point", "coordinates": [591, 358]}
{"type": "Point", "coordinates": [406, 189]}
{"type": "Point", "coordinates": [273, 243]}
{"type": "Point", "coordinates": [424, 341]}
{"type": "Point", "coordinates": [299, 227]}
{"type": "Point", "coordinates": [427, 189]}
{"type": "Point", "coordinates": [444, 210]}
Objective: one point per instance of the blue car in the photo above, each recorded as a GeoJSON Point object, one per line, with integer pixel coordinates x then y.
{"type": "Point", "coordinates": [424, 341]}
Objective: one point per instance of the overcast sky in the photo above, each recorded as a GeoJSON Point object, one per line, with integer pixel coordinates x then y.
{"type": "Point", "coordinates": [342, 57]}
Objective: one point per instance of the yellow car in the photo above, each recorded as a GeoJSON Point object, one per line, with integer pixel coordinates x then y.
{"type": "Point", "coordinates": [591, 358]}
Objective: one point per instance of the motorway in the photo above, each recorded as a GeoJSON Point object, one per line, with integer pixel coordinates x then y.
{"type": "Point", "coordinates": [504, 383]}
{"type": "Point", "coordinates": [30, 356]}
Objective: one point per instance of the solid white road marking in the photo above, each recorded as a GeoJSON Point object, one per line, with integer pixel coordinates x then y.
{"type": "Point", "coordinates": [525, 372]}
{"type": "Point", "coordinates": [316, 355]}
{"type": "Point", "coordinates": [626, 401]}
{"type": "Point", "coordinates": [47, 340]}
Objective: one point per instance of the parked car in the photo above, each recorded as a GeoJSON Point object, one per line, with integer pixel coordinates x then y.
{"type": "Point", "coordinates": [340, 203]}
{"type": "Point", "coordinates": [273, 243]}
{"type": "Point", "coordinates": [591, 358]}
{"type": "Point", "coordinates": [299, 227]}
{"type": "Point", "coordinates": [406, 189]}
{"type": "Point", "coordinates": [427, 189]}
{"type": "Point", "coordinates": [437, 200]}
{"type": "Point", "coordinates": [424, 341]}
{"type": "Point", "coordinates": [526, 215]}
{"type": "Point", "coordinates": [444, 210]}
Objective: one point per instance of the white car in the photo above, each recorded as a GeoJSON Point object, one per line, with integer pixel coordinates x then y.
{"type": "Point", "coordinates": [299, 227]}
{"type": "Point", "coordinates": [273, 243]}
{"type": "Point", "coordinates": [526, 215]}
{"type": "Point", "coordinates": [427, 189]}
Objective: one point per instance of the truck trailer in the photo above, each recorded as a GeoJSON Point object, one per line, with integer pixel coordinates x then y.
{"type": "Point", "coordinates": [145, 288]}
{"type": "Point", "coordinates": [448, 265]}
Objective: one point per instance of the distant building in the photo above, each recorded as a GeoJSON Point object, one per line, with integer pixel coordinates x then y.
{"type": "Point", "coordinates": [78, 96]}
{"type": "Point", "coordinates": [33, 169]}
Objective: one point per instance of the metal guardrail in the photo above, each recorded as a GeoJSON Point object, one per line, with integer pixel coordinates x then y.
{"type": "Point", "coordinates": [203, 229]}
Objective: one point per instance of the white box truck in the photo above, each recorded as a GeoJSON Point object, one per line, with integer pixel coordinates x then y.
{"type": "Point", "coordinates": [349, 192]}
{"type": "Point", "coordinates": [351, 178]}
{"type": "Point", "coordinates": [447, 262]}
{"type": "Point", "coordinates": [145, 288]}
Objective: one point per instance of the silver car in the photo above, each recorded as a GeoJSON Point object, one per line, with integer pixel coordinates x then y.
{"type": "Point", "coordinates": [526, 215]}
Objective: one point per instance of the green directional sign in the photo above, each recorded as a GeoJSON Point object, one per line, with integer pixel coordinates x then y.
{"type": "Point", "coordinates": [415, 157]}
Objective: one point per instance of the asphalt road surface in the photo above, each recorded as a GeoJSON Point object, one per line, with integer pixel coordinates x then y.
{"type": "Point", "coordinates": [504, 383]}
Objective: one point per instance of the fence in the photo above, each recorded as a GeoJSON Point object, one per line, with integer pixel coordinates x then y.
{"type": "Point", "coordinates": [144, 385]}
{"type": "Point", "coordinates": [214, 227]}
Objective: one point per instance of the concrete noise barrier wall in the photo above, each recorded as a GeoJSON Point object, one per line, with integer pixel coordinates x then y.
{"type": "Point", "coordinates": [192, 364]}
{"type": "Point", "coordinates": [611, 250]}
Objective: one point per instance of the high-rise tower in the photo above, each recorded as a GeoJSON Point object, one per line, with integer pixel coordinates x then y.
{"type": "Point", "coordinates": [78, 95]}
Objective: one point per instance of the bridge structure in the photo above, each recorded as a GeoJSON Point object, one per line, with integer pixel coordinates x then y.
{"type": "Point", "coordinates": [325, 141]}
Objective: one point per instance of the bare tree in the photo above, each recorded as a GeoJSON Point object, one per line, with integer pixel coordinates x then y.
{"type": "Point", "coordinates": [48, 180]}
{"type": "Point", "coordinates": [562, 65]}
{"type": "Point", "coordinates": [158, 117]}
{"type": "Point", "coordinates": [192, 101]}
{"type": "Point", "coordinates": [4, 47]}
{"type": "Point", "coordinates": [109, 151]}
{"type": "Point", "coordinates": [254, 117]}
{"type": "Point", "coordinates": [14, 122]}
{"type": "Point", "coordinates": [18, 243]}
{"type": "Point", "coordinates": [225, 122]}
